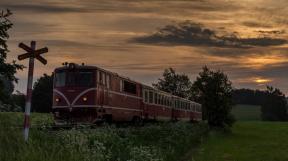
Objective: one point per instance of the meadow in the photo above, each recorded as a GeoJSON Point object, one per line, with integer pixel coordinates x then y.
{"type": "Point", "coordinates": [249, 141]}
{"type": "Point", "coordinates": [152, 142]}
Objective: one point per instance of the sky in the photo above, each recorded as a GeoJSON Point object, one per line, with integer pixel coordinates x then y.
{"type": "Point", "coordinates": [246, 39]}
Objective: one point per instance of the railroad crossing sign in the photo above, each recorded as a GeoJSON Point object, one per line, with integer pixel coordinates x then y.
{"type": "Point", "coordinates": [31, 54]}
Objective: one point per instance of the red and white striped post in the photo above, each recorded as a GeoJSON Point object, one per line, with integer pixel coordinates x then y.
{"type": "Point", "coordinates": [32, 53]}
{"type": "Point", "coordinates": [29, 94]}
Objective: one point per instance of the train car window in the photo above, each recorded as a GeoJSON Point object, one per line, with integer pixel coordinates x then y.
{"type": "Point", "coordinates": [155, 98]}
{"type": "Point", "coordinates": [121, 86]}
{"type": "Point", "coordinates": [129, 87]}
{"type": "Point", "coordinates": [200, 109]}
{"type": "Point", "coordinates": [60, 79]}
{"type": "Point", "coordinates": [108, 81]}
{"type": "Point", "coordinates": [158, 100]}
{"type": "Point", "coordinates": [146, 96]}
{"type": "Point", "coordinates": [150, 97]}
{"type": "Point", "coordinates": [166, 101]}
{"type": "Point", "coordinates": [100, 78]}
{"type": "Point", "coordinates": [103, 78]}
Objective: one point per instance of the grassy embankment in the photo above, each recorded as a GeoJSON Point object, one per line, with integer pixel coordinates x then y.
{"type": "Point", "coordinates": [165, 141]}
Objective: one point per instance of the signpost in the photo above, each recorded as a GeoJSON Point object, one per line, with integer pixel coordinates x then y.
{"type": "Point", "coordinates": [32, 53]}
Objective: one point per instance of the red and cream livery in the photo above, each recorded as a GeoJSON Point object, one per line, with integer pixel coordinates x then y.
{"type": "Point", "coordinates": [88, 94]}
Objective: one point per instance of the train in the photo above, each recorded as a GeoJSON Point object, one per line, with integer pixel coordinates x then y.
{"type": "Point", "coordinates": [89, 94]}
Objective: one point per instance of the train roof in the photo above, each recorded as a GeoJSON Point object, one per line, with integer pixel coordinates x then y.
{"type": "Point", "coordinates": [82, 66]}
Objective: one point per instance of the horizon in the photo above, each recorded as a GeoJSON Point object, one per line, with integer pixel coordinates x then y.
{"type": "Point", "coordinates": [119, 36]}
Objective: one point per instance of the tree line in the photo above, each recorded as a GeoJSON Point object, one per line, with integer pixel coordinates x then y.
{"type": "Point", "coordinates": [272, 101]}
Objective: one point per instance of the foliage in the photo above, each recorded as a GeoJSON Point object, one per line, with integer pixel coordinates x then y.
{"type": "Point", "coordinates": [274, 105]}
{"type": "Point", "coordinates": [153, 142]}
{"type": "Point", "coordinates": [19, 100]}
{"type": "Point", "coordinates": [176, 84]}
{"type": "Point", "coordinates": [249, 141]}
{"type": "Point", "coordinates": [42, 94]}
{"type": "Point", "coordinates": [7, 70]}
{"type": "Point", "coordinates": [248, 96]}
{"type": "Point", "coordinates": [214, 91]}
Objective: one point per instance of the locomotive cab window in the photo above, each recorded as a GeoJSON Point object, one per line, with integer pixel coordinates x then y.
{"type": "Point", "coordinates": [129, 87]}
{"type": "Point", "coordinates": [81, 78]}
{"type": "Point", "coordinates": [60, 79]}
{"type": "Point", "coordinates": [85, 79]}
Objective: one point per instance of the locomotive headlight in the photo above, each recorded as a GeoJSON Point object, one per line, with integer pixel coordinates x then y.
{"type": "Point", "coordinates": [57, 100]}
{"type": "Point", "coordinates": [84, 99]}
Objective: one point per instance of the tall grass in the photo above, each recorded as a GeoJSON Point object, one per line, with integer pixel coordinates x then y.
{"type": "Point", "coordinates": [153, 142]}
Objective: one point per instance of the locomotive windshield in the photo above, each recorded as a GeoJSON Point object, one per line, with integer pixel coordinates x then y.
{"type": "Point", "coordinates": [74, 78]}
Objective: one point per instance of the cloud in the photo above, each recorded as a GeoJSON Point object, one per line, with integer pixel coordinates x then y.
{"type": "Point", "coordinates": [275, 32]}
{"type": "Point", "coordinates": [194, 34]}
{"type": "Point", "coordinates": [256, 24]}
{"type": "Point", "coordinates": [40, 8]}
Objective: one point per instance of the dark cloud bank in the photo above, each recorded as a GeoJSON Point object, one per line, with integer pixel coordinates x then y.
{"type": "Point", "coordinates": [194, 34]}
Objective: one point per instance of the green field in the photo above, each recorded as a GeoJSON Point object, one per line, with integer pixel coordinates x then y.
{"type": "Point", "coordinates": [247, 112]}
{"type": "Point", "coordinates": [249, 141]}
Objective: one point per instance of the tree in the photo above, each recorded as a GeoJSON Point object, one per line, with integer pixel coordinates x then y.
{"type": "Point", "coordinates": [214, 91]}
{"type": "Point", "coordinates": [42, 94]}
{"type": "Point", "coordinates": [274, 105]}
{"type": "Point", "coordinates": [19, 100]}
{"type": "Point", "coordinates": [176, 84]}
{"type": "Point", "coordinates": [248, 96]}
{"type": "Point", "coordinates": [7, 70]}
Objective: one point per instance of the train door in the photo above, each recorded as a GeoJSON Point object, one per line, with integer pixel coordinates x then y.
{"type": "Point", "coordinates": [144, 104]}
{"type": "Point", "coordinates": [101, 88]}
